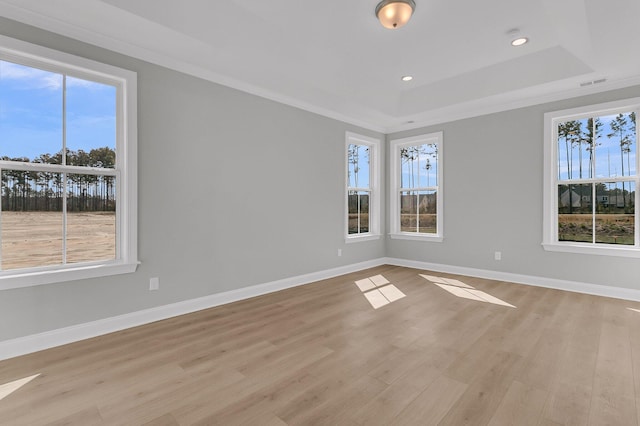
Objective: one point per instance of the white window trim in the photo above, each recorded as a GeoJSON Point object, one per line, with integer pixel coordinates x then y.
{"type": "Point", "coordinates": [126, 165]}
{"type": "Point", "coordinates": [550, 202]}
{"type": "Point", "coordinates": [394, 187]}
{"type": "Point", "coordinates": [374, 185]}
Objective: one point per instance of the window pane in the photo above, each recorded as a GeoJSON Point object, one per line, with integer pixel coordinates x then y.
{"type": "Point", "coordinates": [31, 219]}
{"type": "Point", "coordinates": [575, 214]}
{"type": "Point", "coordinates": [408, 211]}
{"type": "Point", "coordinates": [419, 166]}
{"type": "Point", "coordinates": [358, 211]}
{"type": "Point", "coordinates": [364, 211]}
{"type": "Point", "coordinates": [91, 218]}
{"type": "Point", "coordinates": [31, 113]}
{"type": "Point", "coordinates": [428, 209]}
{"type": "Point", "coordinates": [91, 123]}
{"type": "Point", "coordinates": [615, 222]}
{"type": "Point", "coordinates": [616, 146]}
{"type": "Point", "coordinates": [427, 164]}
{"type": "Point", "coordinates": [575, 149]}
{"type": "Point", "coordinates": [358, 160]}
{"type": "Point", "coordinates": [352, 201]}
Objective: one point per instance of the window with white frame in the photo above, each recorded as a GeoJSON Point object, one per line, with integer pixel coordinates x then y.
{"type": "Point", "coordinates": [363, 183]}
{"type": "Point", "coordinates": [67, 167]}
{"type": "Point", "coordinates": [591, 180]}
{"type": "Point", "coordinates": [416, 187]}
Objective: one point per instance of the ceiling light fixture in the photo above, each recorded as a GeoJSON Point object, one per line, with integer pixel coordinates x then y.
{"type": "Point", "coordinates": [407, 78]}
{"type": "Point", "coordinates": [393, 14]}
{"type": "Point", "coordinates": [516, 38]}
{"type": "Point", "coordinates": [519, 41]}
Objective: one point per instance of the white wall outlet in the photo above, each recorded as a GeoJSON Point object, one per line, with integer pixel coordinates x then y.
{"type": "Point", "coordinates": [339, 252]}
{"type": "Point", "coordinates": [154, 283]}
{"type": "Point", "coordinates": [497, 255]}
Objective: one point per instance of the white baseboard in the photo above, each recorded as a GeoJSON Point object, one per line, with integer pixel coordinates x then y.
{"type": "Point", "coordinates": [49, 339]}
{"type": "Point", "coordinates": [573, 286]}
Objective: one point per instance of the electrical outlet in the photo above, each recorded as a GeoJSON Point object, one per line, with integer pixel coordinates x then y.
{"type": "Point", "coordinates": [154, 283]}
{"type": "Point", "coordinates": [497, 255]}
{"type": "Point", "coordinates": [339, 252]}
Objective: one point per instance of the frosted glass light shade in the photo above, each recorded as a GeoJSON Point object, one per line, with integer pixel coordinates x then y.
{"type": "Point", "coordinates": [394, 14]}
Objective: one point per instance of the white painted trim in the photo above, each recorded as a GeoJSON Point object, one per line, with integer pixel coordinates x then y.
{"type": "Point", "coordinates": [550, 178]}
{"type": "Point", "coordinates": [362, 237]}
{"type": "Point", "coordinates": [125, 81]}
{"type": "Point", "coordinates": [49, 339]}
{"type": "Point", "coordinates": [416, 237]}
{"type": "Point", "coordinates": [395, 169]}
{"type": "Point", "coordinates": [381, 122]}
{"type": "Point", "coordinates": [557, 284]}
{"type": "Point", "coordinates": [375, 172]}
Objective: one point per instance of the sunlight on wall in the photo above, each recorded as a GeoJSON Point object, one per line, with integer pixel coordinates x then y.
{"type": "Point", "coordinates": [460, 289]}
{"type": "Point", "coordinates": [378, 291]}
{"type": "Point", "coordinates": [9, 388]}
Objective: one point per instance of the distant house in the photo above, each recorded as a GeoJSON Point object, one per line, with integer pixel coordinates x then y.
{"type": "Point", "coordinates": [580, 196]}
{"type": "Point", "coordinates": [574, 199]}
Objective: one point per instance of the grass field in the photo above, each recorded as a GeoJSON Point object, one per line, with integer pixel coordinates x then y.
{"type": "Point", "coordinates": [31, 239]}
{"type": "Point", "coordinates": [409, 222]}
{"type": "Point", "coordinates": [610, 228]}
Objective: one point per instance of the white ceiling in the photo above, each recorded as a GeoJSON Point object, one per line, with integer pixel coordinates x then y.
{"type": "Point", "coordinates": [334, 58]}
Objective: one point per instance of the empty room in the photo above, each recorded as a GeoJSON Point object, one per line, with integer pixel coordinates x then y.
{"type": "Point", "coordinates": [365, 212]}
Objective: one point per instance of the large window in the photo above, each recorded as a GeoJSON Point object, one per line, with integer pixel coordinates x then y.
{"type": "Point", "coordinates": [591, 179]}
{"type": "Point", "coordinates": [416, 187]}
{"type": "Point", "coordinates": [363, 182]}
{"type": "Point", "coordinates": [67, 167]}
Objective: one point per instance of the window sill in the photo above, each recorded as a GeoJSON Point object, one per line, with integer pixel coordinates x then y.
{"type": "Point", "coordinates": [33, 278]}
{"type": "Point", "coordinates": [432, 238]}
{"type": "Point", "coordinates": [360, 238]}
{"type": "Point", "coordinates": [599, 250]}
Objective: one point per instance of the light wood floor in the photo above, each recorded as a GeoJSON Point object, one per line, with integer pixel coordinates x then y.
{"type": "Point", "coordinates": [320, 354]}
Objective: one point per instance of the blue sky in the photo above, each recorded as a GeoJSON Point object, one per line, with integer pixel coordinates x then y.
{"type": "Point", "coordinates": [31, 112]}
{"type": "Point", "coordinates": [609, 161]}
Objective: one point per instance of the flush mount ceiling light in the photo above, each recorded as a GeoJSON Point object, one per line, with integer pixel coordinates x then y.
{"type": "Point", "coordinates": [393, 14]}
{"type": "Point", "coordinates": [407, 78]}
{"type": "Point", "coordinates": [516, 38]}
{"type": "Point", "coordinates": [519, 41]}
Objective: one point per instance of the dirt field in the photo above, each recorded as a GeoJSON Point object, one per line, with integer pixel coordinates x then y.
{"type": "Point", "coordinates": [31, 239]}
{"type": "Point", "coordinates": [610, 228]}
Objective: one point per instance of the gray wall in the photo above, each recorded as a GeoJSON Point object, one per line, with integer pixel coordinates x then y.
{"type": "Point", "coordinates": [493, 188]}
{"type": "Point", "coordinates": [234, 190]}
{"type": "Point", "coordinates": [204, 228]}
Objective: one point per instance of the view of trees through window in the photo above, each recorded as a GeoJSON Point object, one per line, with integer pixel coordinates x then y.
{"type": "Point", "coordinates": [58, 168]}
{"type": "Point", "coordinates": [597, 179]}
{"type": "Point", "coordinates": [419, 188]}
{"type": "Point", "coordinates": [359, 188]}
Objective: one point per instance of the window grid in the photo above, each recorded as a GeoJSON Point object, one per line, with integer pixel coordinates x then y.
{"type": "Point", "coordinates": [591, 180]}
{"type": "Point", "coordinates": [416, 182]}
{"type": "Point", "coordinates": [362, 198]}
{"type": "Point", "coordinates": [118, 174]}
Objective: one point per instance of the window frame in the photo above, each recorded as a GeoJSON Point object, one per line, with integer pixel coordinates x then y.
{"type": "Point", "coordinates": [550, 241]}
{"type": "Point", "coordinates": [395, 146]}
{"type": "Point", "coordinates": [125, 171]}
{"type": "Point", "coordinates": [374, 187]}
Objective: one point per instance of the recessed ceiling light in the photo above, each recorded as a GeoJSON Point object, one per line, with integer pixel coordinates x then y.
{"type": "Point", "coordinates": [519, 41]}
{"type": "Point", "coordinates": [407, 78]}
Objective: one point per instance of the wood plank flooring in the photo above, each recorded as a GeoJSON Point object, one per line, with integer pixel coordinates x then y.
{"type": "Point", "coordinates": [320, 354]}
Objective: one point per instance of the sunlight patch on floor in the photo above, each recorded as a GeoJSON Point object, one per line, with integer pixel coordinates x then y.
{"type": "Point", "coordinates": [446, 281]}
{"type": "Point", "coordinates": [460, 289]}
{"type": "Point", "coordinates": [9, 388]}
{"type": "Point", "coordinates": [634, 310]}
{"type": "Point", "coordinates": [378, 291]}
